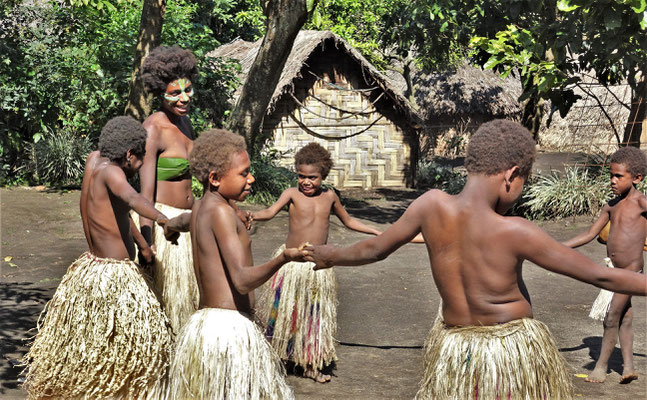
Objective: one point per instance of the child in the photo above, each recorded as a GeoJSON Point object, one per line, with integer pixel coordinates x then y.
{"type": "Point", "coordinates": [485, 343]}
{"type": "Point", "coordinates": [105, 334]}
{"type": "Point", "coordinates": [625, 242]}
{"type": "Point", "coordinates": [300, 307]}
{"type": "Point", "coordinates": [221, 353]}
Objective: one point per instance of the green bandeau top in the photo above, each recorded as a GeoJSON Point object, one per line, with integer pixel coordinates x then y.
{"type": "Point", "coordinates": [171, 167]}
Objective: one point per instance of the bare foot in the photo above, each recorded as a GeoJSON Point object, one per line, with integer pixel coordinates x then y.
{"type": "Point", "coordinates": [316, 375]}
{"type": "Point", "coordinates": [628, 378]}
{"type": "Point", "coordinates": [597, 376]}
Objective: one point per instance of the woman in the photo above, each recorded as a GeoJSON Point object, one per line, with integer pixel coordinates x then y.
{"type": "Point", "coordinates": [165, 179]}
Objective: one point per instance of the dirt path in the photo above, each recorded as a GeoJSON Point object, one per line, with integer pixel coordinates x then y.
{"type": "Point", "coordinates": [385, 309]}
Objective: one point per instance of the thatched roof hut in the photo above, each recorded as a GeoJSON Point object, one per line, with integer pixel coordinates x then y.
{"type": "Point", "coordinates": [330, 94]}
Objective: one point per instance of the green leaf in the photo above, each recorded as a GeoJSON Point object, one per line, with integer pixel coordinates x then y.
{"type": "Point", "coordinates": [37, 137]}
{"type": "Point", "coordinates": [566, 6]}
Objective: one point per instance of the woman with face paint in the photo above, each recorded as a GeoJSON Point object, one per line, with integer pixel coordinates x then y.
{"type": "Point", "coordinates": [165, 179]}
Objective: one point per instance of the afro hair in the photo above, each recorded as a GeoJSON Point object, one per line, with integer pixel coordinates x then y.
{"type": "Point", "coordinates": [164, 65]}
{"type": "Point", "coordinates": [212, 151]}
{"type": "Point", "coordinates": [120, 135]}
{"type": "Point", "coordinates": [498, 145]}
{"type": "Point", "coordinates": [314, 154]}
{"type": "Point", "coordinates": [632, 158]}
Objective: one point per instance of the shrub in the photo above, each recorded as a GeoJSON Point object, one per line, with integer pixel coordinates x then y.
{"type": "Point", "coordinates": [433, 175]}
{"type": "Point", "coordinates": [579, 191]}
{"type": "Point", "coordinates": [271, 179]}
{"type": "Point", "coordinates": [59, 157]}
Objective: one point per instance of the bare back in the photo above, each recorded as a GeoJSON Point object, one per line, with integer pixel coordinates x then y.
{"type": "Point", "coordinates": [476, 272]}
{"type": "Point", "coordinates": [309, 217]}
{"type": "Point", "coordinates": [105, 216]}
{"type": "Point", "coordinates": [628, 230]}
{"type": "Point", "coordinates": [167, 140]}
{"type": "Point", "coordinates": [214, 282]}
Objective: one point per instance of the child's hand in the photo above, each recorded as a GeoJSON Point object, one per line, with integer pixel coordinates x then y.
{"type": "Point", "coordinates": [249, 218]}
{"type": "Point", "coordinates": [298, 254]}
{"type": "Point", "coordinates": [146, 256]}
{"type": "Point", "coordinates": [320, 255]}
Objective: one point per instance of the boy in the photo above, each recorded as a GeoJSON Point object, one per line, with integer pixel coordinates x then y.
{"type": "Point", "coordinates": [300, 307]}
{"type": "Point", "coordinates": [485, 343]}
{"type": "Point", "coordinates": [105, 334]}
{"type": "Point", "coordinates": [626, 214]}
{"type": "Point", "coordinates": [221, 353]}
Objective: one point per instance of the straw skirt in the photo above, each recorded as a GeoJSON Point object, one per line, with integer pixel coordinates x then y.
{"type": "Point", "coordinates": [104, 335]}
{"type": "Point", "coordinates": [601, 304]}
{"type": "Point", "coordinates": [221, 354]}
{"type": "Point", "coordinates": [515, 360]}
{"type": "Point", "coordinates": [299, 310]}
{"type": "Point", "coordinates": [173, 272]}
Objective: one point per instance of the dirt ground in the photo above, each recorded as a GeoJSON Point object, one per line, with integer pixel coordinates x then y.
{"type": "Point", "coordinates": [385, 311]}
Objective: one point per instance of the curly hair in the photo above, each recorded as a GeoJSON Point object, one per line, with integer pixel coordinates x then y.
{"type": "Point", "coordinates": [632, 158]}
{"type": "Point", "coordinates": [314, 154]}
{"type": "Point", "coordinates": [212, 151]}
{"type": "Point", "coordinates": [498, 145]}
{"type": "Point", "coordinates": [164, 65]}
{"type": "Point", "coordinates": [121, 134]}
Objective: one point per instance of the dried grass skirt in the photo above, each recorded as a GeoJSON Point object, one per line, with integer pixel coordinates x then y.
{"type": "Point", "coordinates": [515, 360]}
{"type": "Point", "coordinates": [601, 304]}
{"type": "Point", "coordinates": [221, 354]}
{"type": "Point", "coordinates": [104, 335]}
{"type": "Point", "coordinates": [173, 272]}
{"type": "Point", "coordinates": [299, 310]}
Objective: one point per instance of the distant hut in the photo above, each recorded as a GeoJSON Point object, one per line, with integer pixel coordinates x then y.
{"type": "Point", "coordinates": [454, 103]}
{"type": "Point", "coordinates": [330, 94]}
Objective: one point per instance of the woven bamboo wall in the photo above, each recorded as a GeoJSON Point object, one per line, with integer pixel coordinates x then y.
{"type": "Point", "coordinates": [376, 157]}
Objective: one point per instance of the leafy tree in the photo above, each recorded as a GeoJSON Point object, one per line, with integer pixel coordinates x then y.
{"type": "Point", "coordinates": [284, 20]}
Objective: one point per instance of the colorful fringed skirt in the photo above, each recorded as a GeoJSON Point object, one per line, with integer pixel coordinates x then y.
{"type": "Point", "coordinates": [601, 304]}
{"type": "Point", "coordinates": [221, 354]}
{"type": "Point", "coordinates": [104, 335]}
{"type": "Point", "coordinates": [515, 360]}
{"type": "Point", "coordinates": [173, 272]}
{"type": "Point", "coordinates": [299, 310]}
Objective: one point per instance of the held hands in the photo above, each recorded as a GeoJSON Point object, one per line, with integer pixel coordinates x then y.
{"type": "Point", "coordinates": [146, 256]}
{"type": "Point", "coordinates": [249, 218]}
{"type": "Point", "coordinates": [298, 254]}
{"type": "Point", "coordinates": [321, 255]}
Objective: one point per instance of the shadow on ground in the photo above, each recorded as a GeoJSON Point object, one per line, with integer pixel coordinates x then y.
{"type": "Point", "coordinates": [20, 305]}
{"type": "Point", "coordinates": [593, 344]}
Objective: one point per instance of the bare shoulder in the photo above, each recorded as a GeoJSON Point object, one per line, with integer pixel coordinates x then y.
{"type": "Point", "coordinates": [156, 124]}
{"type": "Point", "coordinates": [431, 198]}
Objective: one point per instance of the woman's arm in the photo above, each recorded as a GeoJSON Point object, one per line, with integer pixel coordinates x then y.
{"type": "Point", "coordinates": [148, 176]}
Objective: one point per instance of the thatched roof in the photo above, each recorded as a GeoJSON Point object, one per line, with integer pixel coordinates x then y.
{"type": "Point", "coordinates": [306, 43]}
{"type": "Point", "coordinates": [466, 91]}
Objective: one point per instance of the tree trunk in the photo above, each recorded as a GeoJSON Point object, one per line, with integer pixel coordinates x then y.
{"type": "Point", "coordinates": [637, 116]}
{"type": "Point", "coordinates": [150, 36]}
{"type": "Point", "coordinates": [284, 20]}
{"type": "Point", "coordinates": [532, 114]}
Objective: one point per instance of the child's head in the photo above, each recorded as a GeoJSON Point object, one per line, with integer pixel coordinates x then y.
{"type": "Point", "coordinates": [312, 164]}
{"type": "Point", "coordinates": [499, 145]}
{"type": "Point", "coordinates": [123, 141]}
{"type": "Point", "coordinates": [220, 162]}
{"type": "Point", "coordinates": [628, 168]}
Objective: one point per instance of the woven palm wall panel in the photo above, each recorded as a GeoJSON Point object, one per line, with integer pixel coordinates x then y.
{"type": "Point", "coordinates": [367, 149]}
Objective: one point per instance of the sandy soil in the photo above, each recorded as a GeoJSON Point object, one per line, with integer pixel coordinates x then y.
{"type": "Point", "coordinates": [385, 311]}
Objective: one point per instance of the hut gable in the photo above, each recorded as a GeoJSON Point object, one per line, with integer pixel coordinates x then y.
{"type": "Point", "coordinates": [330, 94]}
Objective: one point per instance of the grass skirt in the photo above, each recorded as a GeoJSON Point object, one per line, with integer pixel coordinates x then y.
{"type": "Point", "coordinates": [299, 310]}
{"type": "Point", "coordinates": [515, 360]}
{"type": "Point", "coordinates": [221, 354]}
{"type": "Point", "coordinates": [173, 272]}
{"type": "Point", "coordinates": [601, 304]}
{"type": "Point", "coordinates": [104, 335]}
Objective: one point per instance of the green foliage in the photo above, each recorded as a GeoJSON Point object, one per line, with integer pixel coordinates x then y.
{"type": "Point", "coordinates": [59, 158]}
{"type": "Point", "coordinates": [196, 187]}
{"type": "Point", "coordinates": [271, 179]}
{"type": "Point", "coordinates": [431, 175]}
{"type": "Point", "coordinates": [67, 68]}
{"type": "Point", "coordinates": [579, 191]}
